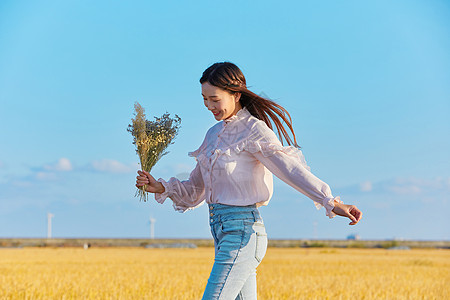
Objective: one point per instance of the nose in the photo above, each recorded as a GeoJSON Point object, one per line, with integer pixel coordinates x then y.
{"type": "Point", "coordinates": [210, 105]}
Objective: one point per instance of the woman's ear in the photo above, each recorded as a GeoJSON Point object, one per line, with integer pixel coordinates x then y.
{"type": "Point", "coordinates": [237, 97]}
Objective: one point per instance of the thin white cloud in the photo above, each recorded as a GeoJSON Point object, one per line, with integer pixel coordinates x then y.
{"type": "Point", "coordinates": [50, 172]}
{"type": "Point", "coordinates": [434, 188]}
{"type": "Point", "coordinates": [405, 189]}
{"type": "Point", "coordinates": [183, 168]}
{"type": "Point", "coordinates": [110, 166]}
{"type": "Point", "coordinates": [415, 186]}
{"type": "Point", "coordinates": [365, 186]}
{"type": "Point", "coordinates": [46, 176]}
{"type": "Point", "coordinates": [63, 165]}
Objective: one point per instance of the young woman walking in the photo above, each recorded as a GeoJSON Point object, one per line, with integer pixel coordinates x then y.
{"type": "Point", "coordinates": [233, 175]}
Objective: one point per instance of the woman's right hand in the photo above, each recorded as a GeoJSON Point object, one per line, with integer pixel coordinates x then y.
{"type": "Point", "coordinates": [349, 211]}
{"type": "Point", "coordinates": [151, 185]}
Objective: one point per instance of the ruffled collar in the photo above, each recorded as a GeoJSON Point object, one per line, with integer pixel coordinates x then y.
{"type": "Point", "coordinates": [242, 113]}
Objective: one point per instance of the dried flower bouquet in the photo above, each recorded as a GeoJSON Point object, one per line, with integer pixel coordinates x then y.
{"type": "Point", "coordinates": [151, 139]}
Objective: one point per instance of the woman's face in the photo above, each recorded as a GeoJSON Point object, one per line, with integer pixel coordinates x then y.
{"type": "Point", "coordinates": [220, 102]}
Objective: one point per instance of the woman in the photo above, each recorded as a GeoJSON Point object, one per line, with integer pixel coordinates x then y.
{"type": "Point", "coordinates": [234, 176]}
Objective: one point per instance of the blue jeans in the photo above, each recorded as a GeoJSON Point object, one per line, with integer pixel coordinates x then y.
{"type": "Point", "coordinates": [240, 242]}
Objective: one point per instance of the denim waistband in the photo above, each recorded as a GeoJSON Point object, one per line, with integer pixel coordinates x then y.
{"type": "Point", "coordinates": [221, 212]}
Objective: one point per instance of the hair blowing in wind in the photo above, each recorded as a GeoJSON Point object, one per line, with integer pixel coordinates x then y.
{"type": "Point", "coordinates": [228, 76]}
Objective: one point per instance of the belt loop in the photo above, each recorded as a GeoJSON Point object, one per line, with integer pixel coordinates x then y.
{"type": "Point", "coordinates": [254, 216]}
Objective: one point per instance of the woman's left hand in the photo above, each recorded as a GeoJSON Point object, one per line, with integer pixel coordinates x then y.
{"type": "Point", "coordinates": [349, 211]}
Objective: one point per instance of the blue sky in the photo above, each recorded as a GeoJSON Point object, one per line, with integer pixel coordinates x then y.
{"type": "Point", "coordinates": [366, 82]}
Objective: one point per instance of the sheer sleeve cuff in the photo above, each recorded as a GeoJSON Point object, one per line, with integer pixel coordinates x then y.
{"type": "Point", "coordinates": [328, 203]}
{"type": "Point", "coordinates": [161, 197]}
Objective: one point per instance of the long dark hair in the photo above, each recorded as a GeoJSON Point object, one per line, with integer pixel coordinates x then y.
{"type": "Point", "coordinates": [228, 76]}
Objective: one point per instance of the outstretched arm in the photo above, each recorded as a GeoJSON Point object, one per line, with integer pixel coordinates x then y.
{"type": "Point", "coordinates": [288, 164]}
{"type": "Point", "coordinates": [288, 168]}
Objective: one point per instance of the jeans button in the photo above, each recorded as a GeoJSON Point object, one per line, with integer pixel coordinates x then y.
{"type": "Point", "coordinates": [211, 214]}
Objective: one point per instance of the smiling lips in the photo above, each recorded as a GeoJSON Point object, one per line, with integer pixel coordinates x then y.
{"type": "Point", "coordinates": [216, 113]}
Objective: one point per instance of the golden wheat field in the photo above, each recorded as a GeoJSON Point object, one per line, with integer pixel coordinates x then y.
{"type": "Point", "coordinates": [285, 273]}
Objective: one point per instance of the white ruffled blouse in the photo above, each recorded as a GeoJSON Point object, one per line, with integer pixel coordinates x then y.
{"type": "Point", "coordinates": [235, 164]}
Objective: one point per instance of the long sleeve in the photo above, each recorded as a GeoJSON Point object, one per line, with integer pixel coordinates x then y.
{"type": "Point", "coordinates": [186, 194]}
{"type": "Point", "coordinates": [288, 164]}
{"type": "Point", "coordinates": [294, 173]}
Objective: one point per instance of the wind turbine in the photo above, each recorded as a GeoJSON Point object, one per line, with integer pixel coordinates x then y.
{"type": "Point", "coordinates": [49, 225]}
{"type": "Point", "coordinates": [152, 228]}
